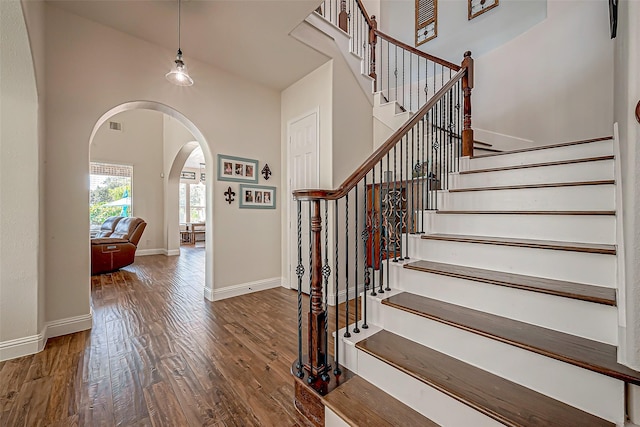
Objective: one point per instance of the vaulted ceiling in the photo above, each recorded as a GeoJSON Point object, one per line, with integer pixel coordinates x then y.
{"type": "Point", "coordinates": [247, 38]}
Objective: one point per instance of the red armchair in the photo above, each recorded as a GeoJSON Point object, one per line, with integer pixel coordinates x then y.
{"type": "Point", "coordinates": [115, 244]}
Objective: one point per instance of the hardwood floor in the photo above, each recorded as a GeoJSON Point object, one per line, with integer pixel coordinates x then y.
{"type": "Point", "coordinates": [159, 354]}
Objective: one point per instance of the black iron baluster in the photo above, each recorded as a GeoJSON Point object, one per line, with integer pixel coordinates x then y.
{"type": "Point", "coordinates": [406, 195]}
{"type": "Point", "coordinates": [326, 272]}
{"type": "Point", "coordinates": [393, 205]}
{"type": "Point", "coordinates": [310, 258]}
{"type": "Point", "coordinates": [299, 273]}
{"type": "Point", "coordinates": [357, 293]}
{"type": "Point", "coordinates": [412, 217]}
{"type": "Point", "coordinates": [401, 208]}
{"type": "Point", "coordinates": [374, 245]}
{"type": "Point", "coordinates": [337, 370]}
{"type": "Point", "coordinates": [382, 231]}
{"type": "Point", "coordinates": [346, 266]}
{"type": "Point", "coordinates": [365, 237]}
{"type": "Point", "coordinates": [411, 81]}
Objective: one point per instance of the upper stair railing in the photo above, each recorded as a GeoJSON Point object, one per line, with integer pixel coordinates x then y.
{"type": "Point", "coordinates": [357, 231]}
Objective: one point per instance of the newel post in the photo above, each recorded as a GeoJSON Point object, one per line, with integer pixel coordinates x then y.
{"type": "Point", "coordinates": [316, 365]}
{"type": "Point", "coordinates": [467, 86]}
{"type": "Point", "coordinates": [373, 40]}
{"type": "Point", "coordinates": [343, 16]}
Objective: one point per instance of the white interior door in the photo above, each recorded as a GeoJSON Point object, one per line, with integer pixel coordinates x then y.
{"type": "Point", "coordinates": [303, 173]}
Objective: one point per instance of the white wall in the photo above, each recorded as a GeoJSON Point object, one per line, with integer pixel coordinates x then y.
{"type": "Point", "coordinates": [627, 94]}
{"type": "Point", "coordinates": [456, 34]}
{"type": "Point", "coordinates": [85, 79]}
{"type": "Point", "coordinates": [139, 144]}
{"type": "Point", "coordinates": [20, 286]}
{"type": "Point", "coordinates": [540, 80]}
{"type": "Point", "coordinates": [553, 83]}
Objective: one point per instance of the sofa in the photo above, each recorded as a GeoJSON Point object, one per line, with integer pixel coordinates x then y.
{"type": "Point", "coordinates": [114, 246]}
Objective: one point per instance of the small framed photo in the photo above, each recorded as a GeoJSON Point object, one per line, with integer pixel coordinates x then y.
{"type": "Point", "coordinates": [478, 7]}
{"type": "Point", "coordinates": [237, 169]}
{"type": "Point", "coordinates": [257, 197]}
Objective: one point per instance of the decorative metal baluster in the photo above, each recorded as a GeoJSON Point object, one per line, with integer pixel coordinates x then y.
{"type": "Point", "coordinates": [407, 200]}
{"type": "Point", "coordinates": [411, 81]}
{"type": "Point", "coordinates": [326, 272]}
{"type": "Point", "coordinates": [393, 204]}
{"type": "Point", "coordinates": [395, 71]}
{"type": "Point", "coordinates": [413, 182]}
{"type": "Point", "coordinates": [365, 239]}
{"type": "Point", "coordinates": [337, 370]}
{"type": "Point", "coordinates": [400, 203]}
{"type": "Point", "coordinates": [374, 245]}
{"type": "Point", "coordinates": [310, 258]}
{"type": "Point", "coordinates": [386, 231]}
{"type": "Point", "coordinates": [404, 87]}
{"type": "Point", "coordinates": [299, 274]}
{"type": "Point", "coordinates": [347, 334]}
{"type": "Point", "coordinates": [356, 330]}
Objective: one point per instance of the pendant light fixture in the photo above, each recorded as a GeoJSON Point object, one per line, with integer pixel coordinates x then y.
{"type": "Point", "coordinates": [179, 74]}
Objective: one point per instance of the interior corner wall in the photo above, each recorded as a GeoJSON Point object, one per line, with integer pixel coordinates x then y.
{"type": "Point", "coordinates": [312, 92]}
{"type": "Point", "coordinates": [175, 137]}
{"type": "Point", "coordinates": [627, 95]}
{"type": "Point", "coordinates": [553, 83]}
{"type": "Point", "coordinates": [140, 144]}
{"type": "Point", "coordinates": [20, 287]}
{"type": "Point", "coordinates": [85, 79]}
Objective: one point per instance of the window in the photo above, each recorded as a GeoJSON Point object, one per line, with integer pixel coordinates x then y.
{"type": "Point", "coordinates": [109, 192]}
{"type": "Point", "coordinates": [192, 202]}
{"type": "Point", "coordinates": [426, 20]}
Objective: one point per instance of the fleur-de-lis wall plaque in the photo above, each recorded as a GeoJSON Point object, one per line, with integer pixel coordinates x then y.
{"type": "Point", "coordinates": [229, 195]}
{"type": "Point", "coordinates": [266, 172]}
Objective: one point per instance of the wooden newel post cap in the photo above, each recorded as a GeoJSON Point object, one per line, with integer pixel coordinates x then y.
{"type": "Point", "coordinates": [467, 54]}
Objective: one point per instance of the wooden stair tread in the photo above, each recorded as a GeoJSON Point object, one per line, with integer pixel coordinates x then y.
{"type": "Point", "coordinates": [544, 147]}
{"type": "Point", "coordinates": [360, 403]}
{"type": "Point", "coordinates": [536, 165]}
{"type": "Point", "coordinates": [496, 397]}
{"type": "Point", "coordinates": [526, 186]}
{"type": "Point", "coordinates": [585, 353]}
{"type": "Point", "coordinates": [594, 248]}
{"type": "Point", "coordinates": [608, 213]}
{"type": "Point", "coordinates": [580, 291]}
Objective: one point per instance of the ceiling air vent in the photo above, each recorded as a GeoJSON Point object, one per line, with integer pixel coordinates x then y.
{"type": "Point", "coordinates": [115, 126]}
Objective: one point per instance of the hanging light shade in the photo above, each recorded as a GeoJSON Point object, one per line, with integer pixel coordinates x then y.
{"type": "Point", "coordinates": [179, 75]}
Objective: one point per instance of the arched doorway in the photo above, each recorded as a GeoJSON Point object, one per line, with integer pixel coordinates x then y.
{"type": "Point", "coordinates": [171, 227]}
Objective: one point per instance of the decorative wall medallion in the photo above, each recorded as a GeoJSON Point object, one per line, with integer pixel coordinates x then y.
{"type": "Point", "coordinates": [478, 7]}
{"type": "Point", "coordinates": [229, 195]}
{"type": "Point", "coordinates": [266, 172]}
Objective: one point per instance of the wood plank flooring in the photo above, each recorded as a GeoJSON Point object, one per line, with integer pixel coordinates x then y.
{"type": "Point", "coordinates": [159, 354]}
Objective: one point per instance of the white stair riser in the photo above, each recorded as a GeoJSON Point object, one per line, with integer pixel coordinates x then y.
{"type": "Point", "coordinates": [574, 172]}
{"type": "Point", "coordinates": [595, 393]}
{"type": "Point", "coordinates": [598, 322]}
{"type": "Point", "coordinates": [581, 267]}
{"type": "Point", "coordinates": [424, 399]}
{"type": "Point", "coordinates": [581, 198]}
{"type": "Point", "coordinates": [564, 228]}
{"type": "Point", "coordinates": [331, 419]}
{"type": "Point", "coordinates": [579, 151]}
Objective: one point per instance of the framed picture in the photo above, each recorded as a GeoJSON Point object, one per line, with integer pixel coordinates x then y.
{"type": "Point", "coordinates": [478, 7]}
{"type": "Point", "coordinates": [237, 169]}
{"type": "Point", "coordinates": [257, 197]}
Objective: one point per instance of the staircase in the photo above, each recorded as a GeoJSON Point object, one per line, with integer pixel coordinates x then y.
{"type": "Point", "coordinates": [505, 311]}
{"type": "Point", "coordinates": [491, 280]}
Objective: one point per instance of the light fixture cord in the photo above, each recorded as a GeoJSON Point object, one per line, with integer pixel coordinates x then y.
{"type": "Point", "coordinates": [179, 7]}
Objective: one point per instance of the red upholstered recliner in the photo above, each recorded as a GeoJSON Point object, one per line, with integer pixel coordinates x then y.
{"type": "Point", "coordinates": [115, 244]}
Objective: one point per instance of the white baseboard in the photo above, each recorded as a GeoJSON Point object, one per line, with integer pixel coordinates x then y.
{"type": "Point", "coordinates": [146, 252]}
{"type": "Point", "coordinates": [69, 325]}
{"type": "Point", "coordinates": [342, 295]}
{"type": "Point", "coordinates": [245, 288]}
{"type": "Point", "coordinates": [172, 252]}
{"type": "Point", "coordinates": [208, 294]}
{"type": "Point", "coordinates": [25, 346]}
{"type": "Point", "coordinates": [22, 346]}
{"type": "Point", "coordinates": [501, 141]}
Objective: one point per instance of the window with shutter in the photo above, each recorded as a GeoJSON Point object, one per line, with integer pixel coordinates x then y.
{"type": "Point", "coordinates": [426, 20]}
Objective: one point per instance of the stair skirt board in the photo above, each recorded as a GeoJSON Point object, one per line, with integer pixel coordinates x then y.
{"type": "Point", "coordinates": [588, 197]}
{"type": "Point", "coordinates": [587, 268]}
{"type": "Point", "coordinates": [584, 171]}
{"type": "Point", "coordinates": [569, 228]}
{"type": "Point", "coordinates": [597, 322]}
{"type": "Point", "coordinates": [592, 149]}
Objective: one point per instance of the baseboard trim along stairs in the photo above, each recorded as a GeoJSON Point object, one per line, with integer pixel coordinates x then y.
{"type": "Point", "coordinates": [503, 314]}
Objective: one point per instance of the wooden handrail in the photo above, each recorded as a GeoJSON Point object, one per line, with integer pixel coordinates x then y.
{"type": "Point", "coordinates": [364, 12]}
{"type": "Point", "coordinates": [372, 161]}
{"type": "Point", "coordinates": [415, 51]}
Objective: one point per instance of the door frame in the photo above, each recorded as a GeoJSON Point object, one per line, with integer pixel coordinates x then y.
{"type": "Point", "coordinates": [293, 283]}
